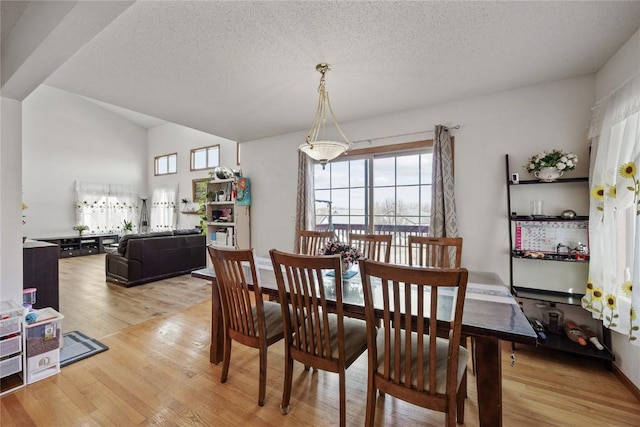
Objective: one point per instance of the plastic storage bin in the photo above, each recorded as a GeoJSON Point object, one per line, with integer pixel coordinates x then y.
{"type": "Point", "coordinates": [44, 334]}
{"type": "Point", "coordinates": [43, 345]}
{"type": "Point", "coordinates": [9, 346]}
{"type": "Point", "coordinates": [11, 365]}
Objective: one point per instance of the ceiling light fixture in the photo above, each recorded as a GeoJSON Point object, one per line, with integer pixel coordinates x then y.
{"type": "Point", "coordinates": [317, 146]}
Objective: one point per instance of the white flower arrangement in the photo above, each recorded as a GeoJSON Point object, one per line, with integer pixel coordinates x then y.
{"type": "Point", "coordinates": [561, 160]}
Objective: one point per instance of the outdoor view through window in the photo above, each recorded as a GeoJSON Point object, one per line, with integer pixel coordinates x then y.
{"type": "Point", "coordinates": [381, 194]}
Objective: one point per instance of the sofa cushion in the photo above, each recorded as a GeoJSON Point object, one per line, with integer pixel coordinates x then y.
{"type": "Point", "coordinates": [122, 245]}
{"type": "Point", "coordinates": [186, 231]}
{"type": "Point", "coordinates": [160, 234]}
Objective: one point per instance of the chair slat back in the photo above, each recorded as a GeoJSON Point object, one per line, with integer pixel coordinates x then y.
{"type": "Point", "coordinates": [306, 323]}
{"type": "Point", "coordinates": [312, 242]}
{"type": "Point", "coordinates": [373, 246]}
{"type": "Point", "coordinates": [435, 252]}
{"type": "Point", "coordinates": [235, 295]}
{"type": "Point", "coordinates": [414, 290]}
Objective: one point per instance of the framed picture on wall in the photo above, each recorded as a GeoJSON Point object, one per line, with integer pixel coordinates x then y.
{"type": "Point", "coordinates": [199, 189]}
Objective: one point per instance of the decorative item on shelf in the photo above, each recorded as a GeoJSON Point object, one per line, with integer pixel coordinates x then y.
{"type": "Point", "coordinates": [221, 172]}
{"type": "Point", "coordinates": [317, 145]}
{"type": "Point", "coordinates": [568, 214]}
{"type": "Point", "coordinates": [243, 192]}
{"type": "Point", "coordinates": [548, 166]}
{"type": "Point", "coordinates": [185, 202]}
{"type": "Point", "coordinates": [349, 254]}
{"type": "Point", "coordinates": [80, 228]}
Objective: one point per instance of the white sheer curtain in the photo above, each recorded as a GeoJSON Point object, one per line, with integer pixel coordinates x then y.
{"type": "Point", "coordinates": [104, 207]}
{"type": "Point", "coordinates": [164, 208]}
{"type": "Point", "coordinates": [613, 290]}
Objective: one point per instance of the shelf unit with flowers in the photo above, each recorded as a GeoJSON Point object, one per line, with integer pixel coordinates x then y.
{"type": "Point", "coordinates": [549, 254]}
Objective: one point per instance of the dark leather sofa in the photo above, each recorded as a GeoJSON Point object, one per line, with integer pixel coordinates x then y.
{"type": "Point", "coordinates": [143, 258]}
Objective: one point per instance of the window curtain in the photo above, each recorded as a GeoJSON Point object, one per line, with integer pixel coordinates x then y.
{"type": "Point", "coordinates": [305, 201]}
{"type": "Point", "coordinates": [443, 208]}
{"type": "Point", "coordinates": [104, 207]}
{"type": "Point", "coordinates": [613, 292]}
{"type": "Point", "coordinates": [164, 209]}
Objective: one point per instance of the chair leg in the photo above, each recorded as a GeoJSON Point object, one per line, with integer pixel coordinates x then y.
{"type": "Point", "coordinates": [370, 413]}
{"type": "Point", "coordinates": [343, 398]}
{"type": "Point", "coordinates": [288, 379]}
{"type": "Point", "coordinates": [473, 355]}
{"type": "Point", "coordinates": [460, 397]}
{"type": "Point", "coordinates": [263, 374]}
{"type": "Point", "coordinates": [226, 359]}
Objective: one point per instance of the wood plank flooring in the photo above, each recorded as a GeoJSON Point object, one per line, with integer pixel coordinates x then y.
{"type": "Point", "coordinates": [157, 372]}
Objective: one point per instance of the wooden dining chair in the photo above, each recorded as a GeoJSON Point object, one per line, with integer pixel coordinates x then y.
{"type": "Point", "coordinates": [437, 252]}
{"type": "Point", "coordinates": [312, 242]}
{"type": "Point", "coordinates": [407, 357]}
{"type": "Point", "coordinates": [247, 318]}
{"type": "Point", "coordinates": [316, 333]}
{"type": "Point", "coordinates": [373, 246]}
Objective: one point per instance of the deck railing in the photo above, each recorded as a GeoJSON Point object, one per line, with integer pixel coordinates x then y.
{"type": "Point", "coordinates": [399, 247]}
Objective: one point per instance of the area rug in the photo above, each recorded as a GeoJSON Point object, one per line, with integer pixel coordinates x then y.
{"type": "Point", "coordinates": [77, 346]}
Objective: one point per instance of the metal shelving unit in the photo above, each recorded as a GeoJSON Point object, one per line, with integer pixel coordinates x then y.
{"type": "Point", "coordinates": [556, 342]}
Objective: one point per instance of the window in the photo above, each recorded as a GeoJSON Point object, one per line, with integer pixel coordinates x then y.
{"type": "Point", "coordinates": [167, 164]}
{"type": "Point", "coordinates": [382, 191]}
{"type": "Point", "coordinates": [205, 157]}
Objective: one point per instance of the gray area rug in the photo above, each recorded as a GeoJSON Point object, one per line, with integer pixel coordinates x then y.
{"type": "Point", "coordinates": [77, 346]}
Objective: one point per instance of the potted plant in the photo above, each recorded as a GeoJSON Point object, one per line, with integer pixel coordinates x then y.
{"type": "Point", "coordinates": [80, 228]}
{"type": "Point", "coordinates": [349, 254]}
{"type": "Point", "coordinates": [548, 166]}
{"type": "Point", "coordinates": [127, 226]}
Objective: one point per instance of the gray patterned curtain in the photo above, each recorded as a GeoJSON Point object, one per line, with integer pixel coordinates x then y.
{"type": "Point", "coordinates": [443, 207]}
{"type": "Point", "coordinates": [305, 205]}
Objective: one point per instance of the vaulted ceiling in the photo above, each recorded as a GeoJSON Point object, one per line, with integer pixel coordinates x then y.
{"type": "Point", "coordinates": [245, 70]}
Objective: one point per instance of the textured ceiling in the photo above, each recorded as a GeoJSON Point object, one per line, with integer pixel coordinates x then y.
{"type": "Point", "coordinates": [246, 70]}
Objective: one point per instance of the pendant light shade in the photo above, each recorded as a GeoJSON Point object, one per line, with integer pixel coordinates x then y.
{"type": "Point", "coordinates": [317, 145]}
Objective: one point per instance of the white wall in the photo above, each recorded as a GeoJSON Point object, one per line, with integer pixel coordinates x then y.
{"type": "Point", "coordinates": [620, 68]}
{"type": "Point", "coordinates": [520, 122]}
{"type": "Point", "coordinates": [10, 213]}
{"type": "Point", "coordinates": [172, 138]}
{"type": "Point", "coordinates": [67, 138]}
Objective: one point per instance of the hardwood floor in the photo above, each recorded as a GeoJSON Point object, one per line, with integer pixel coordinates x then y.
{"type": "Point", "coordinates": [157, 372]}
{"type": "Point", "coordinates": [99, 308]}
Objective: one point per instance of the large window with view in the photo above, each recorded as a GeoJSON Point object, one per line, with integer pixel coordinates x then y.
{"type": "Point", "coordinates": [205, 157]}
{"type": "Point", "coordinates": [381, 193]}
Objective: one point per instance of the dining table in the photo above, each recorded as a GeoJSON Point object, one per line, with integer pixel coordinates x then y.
{"type": "Point", "coordinates": [491, 315]}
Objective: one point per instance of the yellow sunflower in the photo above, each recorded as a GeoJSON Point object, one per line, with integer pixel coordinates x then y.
{"type": "Point", "coordinates": [612, 191]}
{"type": "Point", "coordinates": [598, 192]}
{"type": "Point", "coordinates": [611, 302]}
{"type": "Point", "coordinates": [597, 294]}
{"type": "Point", "coordinates": [628, 170]}
{"type": "Point", "coordinates": [589, 286]}
{"type": "Point", "coordinates": [627, 287]}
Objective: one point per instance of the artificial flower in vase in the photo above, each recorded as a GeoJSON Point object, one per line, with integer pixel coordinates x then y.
{"type": "Point", "coordinates": [548, 166]}
{"type": "Point", "coordinates": [349, 254]}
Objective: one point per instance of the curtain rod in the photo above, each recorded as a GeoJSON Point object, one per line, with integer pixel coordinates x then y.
{"type": "Point", "coordinates": [404, 134]}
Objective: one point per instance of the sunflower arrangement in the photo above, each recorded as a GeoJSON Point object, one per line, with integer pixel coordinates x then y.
{"type": "Point", "coordinates": [564, 161]}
